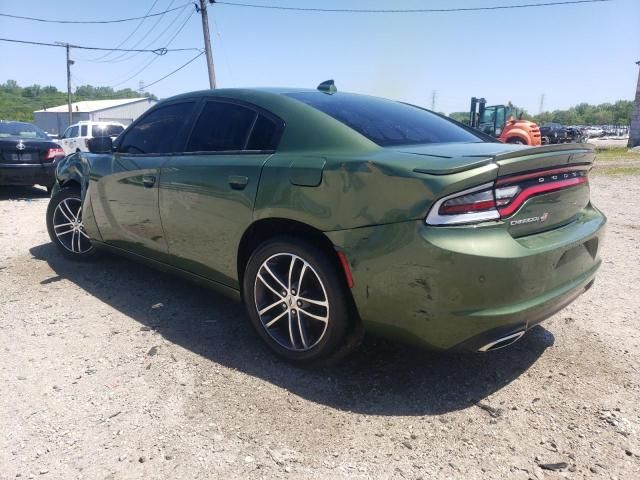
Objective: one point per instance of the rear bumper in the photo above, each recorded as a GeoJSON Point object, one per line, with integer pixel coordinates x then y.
{"type": "Point", "coordinates": [27, 174]}
{"type": "Point", "coordinates": [462, 288]}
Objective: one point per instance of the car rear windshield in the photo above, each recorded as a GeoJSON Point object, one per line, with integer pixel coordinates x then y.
{"type": "Point", "coordinates": [386, 122]}
{"type": "Point", "coordinates": [107, 130]}
{"type": "Point", "coordinates": [21, 130]}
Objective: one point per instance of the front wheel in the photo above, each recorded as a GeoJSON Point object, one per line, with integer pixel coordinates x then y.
{"type": "Point", "coordinates": [297, 299]}
{"type": "Point", "coordinates": [516, 141]}
{"type": "Point", "coordinates": [64, 223]}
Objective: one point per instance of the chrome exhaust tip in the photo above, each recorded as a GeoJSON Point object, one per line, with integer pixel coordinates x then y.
{"type": "Point", "coordinates": [502, 342]}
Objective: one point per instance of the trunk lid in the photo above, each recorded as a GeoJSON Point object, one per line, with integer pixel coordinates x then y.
{"type": "Point", "coordinates": [17, 151]}
{"type": "Point", "coordinates": [552, 186]}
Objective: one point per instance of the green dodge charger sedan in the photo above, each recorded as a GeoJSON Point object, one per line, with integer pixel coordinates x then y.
{"type": "Point", "coordinates": [330, 214]}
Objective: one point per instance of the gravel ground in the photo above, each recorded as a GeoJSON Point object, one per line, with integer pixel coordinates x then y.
{"type": "Point", "coordinates": [113, 370]}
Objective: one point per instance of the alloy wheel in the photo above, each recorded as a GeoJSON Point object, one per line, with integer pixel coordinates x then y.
{"type": "Point", "coordinates": [291, 302]}
{"type": "Point", "coordinates": [68, 227]}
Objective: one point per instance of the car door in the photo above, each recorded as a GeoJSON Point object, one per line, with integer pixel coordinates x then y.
{"type": "Point", "coordinates": [126, 199]}
{"type": "Point", "coordinates": [207, 194]}
{"type": "Point", "coordinates": [69, 138]}
{"type": "Point", "coordinates": [81, 141]}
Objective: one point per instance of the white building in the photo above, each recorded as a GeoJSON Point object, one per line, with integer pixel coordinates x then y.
{"type": "Point", "coordinates": [56, 119]}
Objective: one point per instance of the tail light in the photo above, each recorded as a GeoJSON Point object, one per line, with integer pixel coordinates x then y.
{"type": "Point", "coordinates": [502, 198]}
{"type": "Point", "coordinates": [474, 205]}
{"type": "Point", "coordinates": [53, 153]}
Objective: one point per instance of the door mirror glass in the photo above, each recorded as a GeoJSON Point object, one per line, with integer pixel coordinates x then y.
{"type": "Point", "coordinates": [100, 145]}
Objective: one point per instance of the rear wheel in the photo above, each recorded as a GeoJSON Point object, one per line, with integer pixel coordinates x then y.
{"type": "Point", "coordinates": [296, 298]}
{"type": "Point", "coordinates": [64, 223]}
{"type": "Point", "coordinates": [516, 141]}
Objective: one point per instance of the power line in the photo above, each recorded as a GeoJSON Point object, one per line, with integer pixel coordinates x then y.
{"type": "Point", "coordinates": [125, 56]}
{"type": "Point", "coordinates": [157, 51]}
{"type": "Point", "coordinates": [130, 35]}
{"type": "Point", "coordinates": [175, 71]}
{"type": "Point", "coordinates": [119, 20]}
{"type": "Point", "coordinates": [148, 64]}
{"type": "Point", "coordinates": [411, 10]}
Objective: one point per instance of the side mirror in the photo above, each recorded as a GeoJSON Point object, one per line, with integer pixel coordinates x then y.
{"type": "Point", "coordinates": [100, 145]}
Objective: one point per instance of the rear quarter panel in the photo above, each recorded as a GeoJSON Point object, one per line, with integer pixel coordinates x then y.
{"type": "Point", "coordinates": [355, 191]}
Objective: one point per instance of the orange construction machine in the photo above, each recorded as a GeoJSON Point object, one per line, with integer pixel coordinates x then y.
{"type": "Point", "coordinates": [503, 122]}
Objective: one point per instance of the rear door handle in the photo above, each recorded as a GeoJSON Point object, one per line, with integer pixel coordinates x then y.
{"type": "Point", "coordinates": [148, 181]}
{"type": "Point", "coordinates": [238, 182]}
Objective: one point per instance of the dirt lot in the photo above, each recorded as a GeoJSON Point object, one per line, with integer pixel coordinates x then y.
{"type": "Point", "coordinates": [113, 370]}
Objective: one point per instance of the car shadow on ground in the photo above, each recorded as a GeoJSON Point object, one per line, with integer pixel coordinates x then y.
{"type": "Point", "coordinates": [381, 378]}
{"type": "Point", "coordinates": [22, 193]}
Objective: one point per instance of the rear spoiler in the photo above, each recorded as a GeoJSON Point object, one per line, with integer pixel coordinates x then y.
{"type": "Point", "coordinates": [544, 157]}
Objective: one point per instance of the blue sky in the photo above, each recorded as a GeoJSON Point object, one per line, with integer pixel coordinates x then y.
{"type": "Point", "coordinates": [570, 53]}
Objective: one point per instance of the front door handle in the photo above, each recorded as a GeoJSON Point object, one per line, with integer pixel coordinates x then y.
{"type": "Point", "coordinates": [238, 182]}
{"type": "Point", "coordinates": [148, 181]}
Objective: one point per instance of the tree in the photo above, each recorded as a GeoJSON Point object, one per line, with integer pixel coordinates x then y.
{"type": "Point", "coordinates": [10, 85]}
{"type": "Point", "coordinates": [462, 117]}
{"type": "Point", "coordinates": [17, 103]}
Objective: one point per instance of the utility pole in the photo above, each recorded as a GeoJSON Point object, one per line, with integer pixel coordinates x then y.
{"type": "Point", "coordinates": [541, 109]}
{"type": "Point", "coordinates": [434, 94]}
{"type": "Point", "coordinates": [207, 42]}
{"type": "Point", "coordinates": [69, 63]}
{"type": "Point", "coordinates": [634, 126]}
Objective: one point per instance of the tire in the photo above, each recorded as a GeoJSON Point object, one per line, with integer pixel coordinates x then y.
{"type": "Point", "coordinates": [516, 141]}
{"type": "Point", "coordinates": [305, 327]}
{"type": "Point", "coordinates": [64, 224]}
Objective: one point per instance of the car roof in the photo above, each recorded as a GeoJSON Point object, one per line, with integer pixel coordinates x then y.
{"type": "Point", "coordinates": [95, 122]}
{"type": "Point", "coordinates": [16, 121]}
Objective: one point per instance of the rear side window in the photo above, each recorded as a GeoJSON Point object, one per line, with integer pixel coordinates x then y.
{"type": "Point", "coordinates": [386, 122]}
{"type": "Point", "coordinates": [263, 135]}
{"type": "Point", "coordinates": [83, 131]}
{"type": "Point", "coordinates": [160, 131]}
{"type": "Point", "coordinates": [222, 127]}
{"type": "Point", "coordinates": [107, 130]}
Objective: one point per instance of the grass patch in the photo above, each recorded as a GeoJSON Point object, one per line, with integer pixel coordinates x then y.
{"type": "Point", "coordinates": [616, 171]}
{"type": "Point", "coordinates": [616, 154]}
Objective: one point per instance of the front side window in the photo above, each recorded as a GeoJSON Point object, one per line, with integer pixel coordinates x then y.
{"type": "Point", "coordinates": [222, 127]}
{"type": "Point", "coordinates": [74, 132]}
{"type": "Point", "coordinates": [385, 122]}
{"type": "Point", "coordinates": [160, 131]}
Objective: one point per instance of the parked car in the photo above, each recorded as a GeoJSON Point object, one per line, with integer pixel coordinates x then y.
{"type": "Point", "coordinates": [76, 137]}
{"type": "Point", "coordinates": [594, 132]}
{"type": "Point", "coordinates": [328, 213]}
{"type": "Point", "coordinates": [553, 133]}
{"type": "Point", "coordinates": [27, 155]}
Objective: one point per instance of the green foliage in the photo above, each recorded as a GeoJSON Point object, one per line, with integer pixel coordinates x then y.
{"type": "Point", "coordinates": [19, 103]}
{"type": "Point", "coordinates": [462, 117]}
{"type": "Point", "coordinates": [618, 113]}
